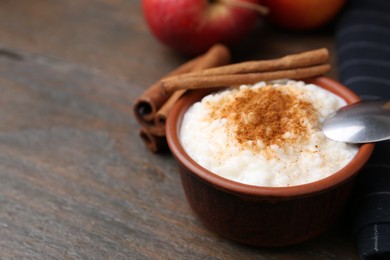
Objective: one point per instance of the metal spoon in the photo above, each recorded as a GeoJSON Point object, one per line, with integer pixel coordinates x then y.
{"type": "Point", "coordinates": [363, 122]}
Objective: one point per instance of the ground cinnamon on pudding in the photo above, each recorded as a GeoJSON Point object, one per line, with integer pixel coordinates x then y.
{"type": "Point", "coordinates": [266, 134]}
{"type": "Point", "coordinates": [267, 114]}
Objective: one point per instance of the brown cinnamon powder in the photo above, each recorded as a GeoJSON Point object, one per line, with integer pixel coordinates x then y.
{"type": "Point", "coordinates": [265, 114]}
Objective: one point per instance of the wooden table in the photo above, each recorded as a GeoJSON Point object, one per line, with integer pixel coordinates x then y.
{"type": "Point", "coordinates": [76, 182]}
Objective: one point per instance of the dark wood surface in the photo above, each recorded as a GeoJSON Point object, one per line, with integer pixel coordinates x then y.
{"type": "Point", "coordinates": [76, 182]}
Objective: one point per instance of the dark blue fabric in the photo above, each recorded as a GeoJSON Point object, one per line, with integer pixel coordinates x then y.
{"type": "Point", "coordinates": [363, 52]}
{"type": "Point", "coordinates": [363, 47]}
{"type": "Point", "coordinates": [373, 243]}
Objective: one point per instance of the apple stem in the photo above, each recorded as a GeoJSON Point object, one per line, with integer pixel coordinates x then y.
{"type": "Point", "coordinates": [248, 5]}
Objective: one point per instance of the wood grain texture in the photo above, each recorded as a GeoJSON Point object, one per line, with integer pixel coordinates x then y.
{"type": "Point", "coordinates": [75, 179]}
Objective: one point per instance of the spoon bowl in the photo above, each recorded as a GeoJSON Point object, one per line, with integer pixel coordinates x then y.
{"type": "Point", "coordinates": [362, 122]}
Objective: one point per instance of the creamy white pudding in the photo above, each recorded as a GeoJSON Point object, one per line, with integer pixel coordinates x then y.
{"type": "Point", "coordinates": [267, 134]}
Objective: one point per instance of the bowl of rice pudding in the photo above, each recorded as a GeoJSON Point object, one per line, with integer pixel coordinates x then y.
{"type": "Point", "coordinates": [254, 164]}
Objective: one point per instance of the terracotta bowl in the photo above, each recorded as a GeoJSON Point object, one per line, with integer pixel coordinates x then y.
{"type": "Point", "coordinates": [263, 216]}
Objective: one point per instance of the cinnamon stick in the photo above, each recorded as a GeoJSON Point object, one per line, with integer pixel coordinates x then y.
{"type": "Point", "coordinates": [197, 82]}
{"type": "Point", "coordinates": [146, 106]}
{"type": "Point", "coordinates": [218, 55]}
{"type": "Point", "coordinates": [303, 59]}
{"type": "Point", "coordinates": [152, 142]}
{"type": "Point", "coordinates": [162, 114]}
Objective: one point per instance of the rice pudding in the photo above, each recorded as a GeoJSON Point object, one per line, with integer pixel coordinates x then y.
{"type": "Point", "coordinates": [267, 134]}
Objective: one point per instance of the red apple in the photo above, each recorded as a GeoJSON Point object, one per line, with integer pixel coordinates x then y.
{"type": "Point", "coordinates": [302, 14]}
{"type": "Point", "coordinates": [193, 26]}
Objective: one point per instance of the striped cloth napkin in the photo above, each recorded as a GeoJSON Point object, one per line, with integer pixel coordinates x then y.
{"type": "Point", "coordinates": [363, 51]}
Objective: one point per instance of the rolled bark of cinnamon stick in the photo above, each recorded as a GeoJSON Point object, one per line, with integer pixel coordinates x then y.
{"type": "Point", "coordinates": [198, 82]}
{"type": "Point", "coordinates": [152, 142]}
{"type": "Point", "coordinates": [303, 59]}
{"type": "Point", "coordinates": [146, 106]}
{"type": "Point", "coordinates": [162, 113]}
{"type": "Point", "coordinates": [218, 55]}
